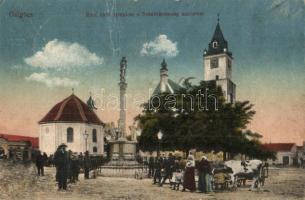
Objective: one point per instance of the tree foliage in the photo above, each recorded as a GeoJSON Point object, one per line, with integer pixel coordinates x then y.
{"type": "Point", "coordinates": [199, 118]}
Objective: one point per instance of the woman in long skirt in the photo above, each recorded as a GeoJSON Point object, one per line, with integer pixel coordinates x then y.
{"type": "Point", "coordinates": [189, 174]}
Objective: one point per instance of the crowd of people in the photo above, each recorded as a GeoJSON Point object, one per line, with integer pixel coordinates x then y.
{"type": "Point", "coordinates": [179, 172]}
{"type": "Point", "coordinates": [68, 165]}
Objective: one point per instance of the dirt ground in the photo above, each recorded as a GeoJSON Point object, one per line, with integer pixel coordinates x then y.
{"type": "Point", "coordinates": [17, 182]}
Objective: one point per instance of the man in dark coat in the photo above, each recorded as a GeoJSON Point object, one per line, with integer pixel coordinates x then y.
{"type": "Point", "coordinates": [61, 162]}
{"type": "Point", "coordinates": [45, 159]}
{"type": "Point", "coordinates": [158, 168]}
{"type": "Point", "coordinates": [87, 165]}
{"type": "Point", "coordinates": [39, 164]}
{"type": "Point", "coordinates": [151, 165]}
{"type": "Point", "coordinates": [74, 166]}
{"type": "Point", "coordinates": [168, 164]}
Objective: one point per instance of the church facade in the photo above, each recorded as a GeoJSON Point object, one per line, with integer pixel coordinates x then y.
{"type": "Point", "coordinates": [73, 123]}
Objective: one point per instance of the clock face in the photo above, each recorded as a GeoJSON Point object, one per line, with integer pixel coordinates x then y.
{"type": "Point", "coordinates": [214, 62]}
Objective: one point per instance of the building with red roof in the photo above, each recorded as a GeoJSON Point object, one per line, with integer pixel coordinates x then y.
{"type": "Point", "coordinates": [17, 146]}
{"type": "Point", "coordinates": [286, 153]}
{"type": "Point", "coordinates": [74, 123]}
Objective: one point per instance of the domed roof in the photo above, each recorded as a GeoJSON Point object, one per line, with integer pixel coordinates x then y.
{"type": "Point", "coordinates": [71, 109]}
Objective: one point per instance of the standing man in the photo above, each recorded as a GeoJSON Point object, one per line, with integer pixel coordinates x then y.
{"type": "Point", "coordinates": [168, 167]}
{"type": "Point", "coordinates": [45, 159]}
{"type": "Point", "coordinates": [74, 167]}
{"type": "Point", "coordinates": [87, 165]}
{"type": "Point", "coordinates": [151, 165]}
{"type": "Point", "coordinates": [61, 163]}
{"type": "Point", "coordinates": [158, 168]}
{"type": "Point", "coordinates": [39, 164]}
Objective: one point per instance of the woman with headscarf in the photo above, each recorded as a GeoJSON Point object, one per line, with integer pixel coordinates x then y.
{"type": "Point", "coordinates": [204, 170]}
{"type": "Point", "coordinates": [189, 174]}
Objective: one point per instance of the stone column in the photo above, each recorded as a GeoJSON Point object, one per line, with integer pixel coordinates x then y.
{"type": "Point", "coordinates": [123, 86]}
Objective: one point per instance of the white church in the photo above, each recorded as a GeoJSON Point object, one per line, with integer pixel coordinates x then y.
{"type": "Point", "coordinates": [73, 123]}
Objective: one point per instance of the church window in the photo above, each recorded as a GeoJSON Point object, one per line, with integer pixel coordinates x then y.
{"type": "Point", "coordinates": [215, 44]}
{"type": "Point", "coordinates": [70, 134]}
{"type": "Point", "coordinates": [214, 62]}
{"type": "Point", "coordinates": [94, 149]}
{"type": "Point", "coordinates": [94, 136]}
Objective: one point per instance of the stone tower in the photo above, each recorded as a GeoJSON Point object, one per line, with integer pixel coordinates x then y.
{"type": "Point", "coordinates": [218, 64]}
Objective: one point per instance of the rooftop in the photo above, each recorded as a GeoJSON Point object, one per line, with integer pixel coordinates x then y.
{"type": "Point", "coordinates": [71, 109]}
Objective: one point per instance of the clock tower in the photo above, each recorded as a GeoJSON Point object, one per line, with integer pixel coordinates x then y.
{"type": "Point", "coordinates": [218, 64]}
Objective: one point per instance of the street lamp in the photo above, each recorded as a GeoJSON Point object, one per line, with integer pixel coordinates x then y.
{"type": "Point", "coordinates": [159, 136]}
{"type": "Point", "coordinates": [86, 135]}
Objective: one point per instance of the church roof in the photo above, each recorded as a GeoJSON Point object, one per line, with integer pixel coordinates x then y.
{"type": "Point", "coordinates": [222, 44]}
{"type": "Point", "coordinates": [71, 109]}
{"type": "Point", "coordinates": [171, 88]}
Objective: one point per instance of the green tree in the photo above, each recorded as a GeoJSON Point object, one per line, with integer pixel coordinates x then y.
{"type": "Point", "coordinates": [199, 118]}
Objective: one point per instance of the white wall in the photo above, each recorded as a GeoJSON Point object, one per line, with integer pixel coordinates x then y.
{"type": "Point", "coordinates": [57, 134]}
{"type": "Point", "coordinates": [280, 154]}
{"type": "Point", "coordinates": [222, 70]}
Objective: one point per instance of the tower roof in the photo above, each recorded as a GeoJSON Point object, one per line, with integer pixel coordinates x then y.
{"type": "Point", "coordinates": [71, 109]}
{"type": "Point", "coordinates": [166, 85]}
{"type": "Point", "coordinates": [163, 65]}
{"type": "Point", "coordinates": [218, 43]}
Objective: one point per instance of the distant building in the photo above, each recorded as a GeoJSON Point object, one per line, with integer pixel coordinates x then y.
{"type": "Point", "coordinates": [286, 153]}
{"type": "Point", "coordinates": [17, 147]}
{"type": "Point", "coordinates": [217, 61]}
{"type": "Point", "coordinates": [74, 123]}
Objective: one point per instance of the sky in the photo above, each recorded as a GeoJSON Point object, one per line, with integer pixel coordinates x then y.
{"type": "Point", "coordinates": [49, 47]}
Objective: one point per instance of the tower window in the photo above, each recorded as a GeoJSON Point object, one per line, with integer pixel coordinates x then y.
{"type": "Point", "coordinates": [94, 136]}
{"type": "Point", "coordinates": [94, 149]}
{"type": "Point", "coordinates": [217, 77]}
{"type": "Point", "coordinates": [69, 134]}
{"type": "Point", "coordinates": [215, 44]}
{"type": "Point", "coordinates": [214, 62]}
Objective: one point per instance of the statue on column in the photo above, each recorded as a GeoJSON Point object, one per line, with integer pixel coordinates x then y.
{"type": "Point", "coordinates": [123, 68]}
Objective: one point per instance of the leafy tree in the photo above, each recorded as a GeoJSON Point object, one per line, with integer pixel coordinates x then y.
{"type": "Point", "coordinates": [199, 117]}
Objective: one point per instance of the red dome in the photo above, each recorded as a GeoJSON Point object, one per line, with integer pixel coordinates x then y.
{"type": "Point", "coordinates": [71, 109]}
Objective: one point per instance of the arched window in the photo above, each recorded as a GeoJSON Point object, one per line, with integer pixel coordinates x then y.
{"type": "Point", "coordinates": [215, 44]}
{"type": "Point", "coordinates": [94, 149]}
{"type": "Point", "coordinates": [94, 136]}
{"type": "Point", "coordinates": [69, 134]}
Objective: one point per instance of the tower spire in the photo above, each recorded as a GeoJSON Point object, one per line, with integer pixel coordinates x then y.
{"type": "Point", "coordinates": [218, 17]}
{"type": "Point", "coordinates": [163, 65]}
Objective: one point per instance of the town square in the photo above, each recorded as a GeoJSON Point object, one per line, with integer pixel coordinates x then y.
{"type": "Point", "coordinates": [175, 99]}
